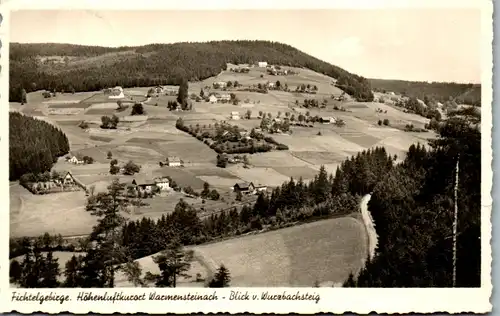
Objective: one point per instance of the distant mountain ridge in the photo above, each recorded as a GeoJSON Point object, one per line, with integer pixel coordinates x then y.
{"type": "Point", "coordinates": [461, 93]}
{"type": "Point", "coordinates": [90, 68]}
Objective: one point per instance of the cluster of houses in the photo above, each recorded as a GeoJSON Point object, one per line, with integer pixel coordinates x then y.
{"type": "Point", "coordinates": [272, 70]}
{"type": "Point", "coordinates": [141, 187]}
{"type": "Point", "coordinates": [219, 98]}
{"type": "Point", "coordinates": [249, 188]}
{"type": "Point", "coordinates": [60, 183]}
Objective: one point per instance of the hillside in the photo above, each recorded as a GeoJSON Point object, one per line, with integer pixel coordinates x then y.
{"type": "Point", "coordinates": [88, 68]}
{"type": "Point", "coordinates": [462, 93]}
{"type": "Point", "coordinates": [34, 145]}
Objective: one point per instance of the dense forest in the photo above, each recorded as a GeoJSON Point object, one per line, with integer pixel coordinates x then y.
{"type": "Point", "coordinates": [34, 145]}
{"type": "Point", "coordinates": [413, 209]}
{"type": "Point", "coordinates": [89, 68]}
{"type": "Point", "coordinates": [461, 93]}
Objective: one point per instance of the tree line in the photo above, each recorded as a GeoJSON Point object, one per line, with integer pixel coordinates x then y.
{"type": "Point", "coordinates": [462, 93]}
{"type": "Point", "coordinates": [156, 64]}
{"type": "Point", "coordinates": [34, 145]}
{"type": "Point", "coordinates": [413, 209]}
{"type": "Point", "coordinates": [115, 243]}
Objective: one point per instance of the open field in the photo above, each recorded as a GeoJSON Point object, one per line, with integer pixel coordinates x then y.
{"type": "Point", "coordinates": [149, 139]}
{"type": "Point", "coordinates": [68, 105]}
{"type": "Point", "coordinates": [325, 251]}
{"type": "Point", "coordinates": [58, 213]}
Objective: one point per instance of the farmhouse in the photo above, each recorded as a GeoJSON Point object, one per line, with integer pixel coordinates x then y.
{"type": "Point", "coordinates": [235, 115]}
{"type": "Point", "coordinates": [262, 64]}
{"type": "Point", "coordinates": [260, 188]}
{"type": "Point", "coordinates": [327, 120]}
{"type": "Point", "coordinates": [144, 186]}
{"type": "Point", "coordinates": [77, 160]}
{"type": "Point", "coordinates": [163, 184]}
{"type": "Point", "coordinates": [117, 93]}
{"type": "Point", "coordinates": [244, 187]}
{"type": "Point", "coordinates": [220, 84]}
{"type": "Point", "coordinates": [271, 85]}
{"type": "Point", "coordinates": [173, 161]}
{"type": "Point", "coordinates": [51, 184]}
{"type": "Point", "coordinates": [69, 179]}
{"type": "Point", "coordinates": [212, 99]}
{"type": "Point", "coordinates": [224, 97]}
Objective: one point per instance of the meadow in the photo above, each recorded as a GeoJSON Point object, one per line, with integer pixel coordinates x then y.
{"type": "Point", "coordinates": [324, 252]}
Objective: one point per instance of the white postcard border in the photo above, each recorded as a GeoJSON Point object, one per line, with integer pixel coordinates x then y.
{"type": "Point", "coordinates": [332, 300]}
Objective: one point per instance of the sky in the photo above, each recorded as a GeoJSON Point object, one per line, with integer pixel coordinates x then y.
{"type": "Point", "coordinates": [425, 44]}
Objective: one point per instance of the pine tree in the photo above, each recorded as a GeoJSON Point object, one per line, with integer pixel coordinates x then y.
{"type": "Point", "coordinates": [72, 273]}
{"type": "Point", "coordinates": [107, 206]}
{"type": "Point", "coordinates": [50, 272]}
{"type": "Point", "coordinates": [173, 262]}
{"type": "Point", "coordinates": [222, 278]}
{"type": "Point", "coordinates": [182, 95]}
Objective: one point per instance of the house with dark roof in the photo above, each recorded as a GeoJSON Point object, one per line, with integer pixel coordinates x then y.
{"type": "Point", "coordinates": [148, 186]}
{"type": "Point", "coordinates": [244, 187]}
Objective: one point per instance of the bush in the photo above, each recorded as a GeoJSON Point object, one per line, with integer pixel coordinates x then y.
{"type": "Point", "coordinates": [130, 168]}
{"type": "Point", "coordinates": [137, 109]}
{"type": "Point", "coordinates": [380, 122]}
{"type": "Point", "coordinates": [386, 122]}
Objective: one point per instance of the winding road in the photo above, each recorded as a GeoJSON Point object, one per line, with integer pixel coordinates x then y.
{"type": "Point", "coordinates": [369, 225]}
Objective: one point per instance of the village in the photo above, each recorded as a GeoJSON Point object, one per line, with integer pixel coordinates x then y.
{"type": "Point", "coordinates": [241, 133]}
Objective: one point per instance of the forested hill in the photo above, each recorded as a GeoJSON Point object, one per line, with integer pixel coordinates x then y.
{"type": "Point", "coordinates": [462, 93]}
{"type": "Point", "coordinates": [90, 68]}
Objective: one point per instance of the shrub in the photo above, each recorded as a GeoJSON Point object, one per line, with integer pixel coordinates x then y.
{"type": "Point", "coordinates": [386, 122]}
{"type": "Point", "coordinates": [137, 109]}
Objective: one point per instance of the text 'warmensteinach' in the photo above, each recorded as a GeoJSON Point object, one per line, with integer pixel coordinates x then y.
{"type": "Point", "coordinates": [290, 297]}
{"type": "Point", "coordinates": [184, 297]}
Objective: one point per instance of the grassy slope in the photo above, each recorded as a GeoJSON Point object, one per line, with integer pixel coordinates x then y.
{"type": "Point", "coordinates": [325, 251]}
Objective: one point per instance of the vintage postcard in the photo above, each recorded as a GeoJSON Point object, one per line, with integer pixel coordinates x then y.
{"type": "Point", "coordinates": [281, 157]}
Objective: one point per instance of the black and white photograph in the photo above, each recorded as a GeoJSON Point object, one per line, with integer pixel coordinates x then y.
{"type": "Point", "coordinates": [321, 148]}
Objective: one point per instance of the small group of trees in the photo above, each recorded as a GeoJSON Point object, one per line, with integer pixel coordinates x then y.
{"type": "Point", "coordinates": [182, 101]}
{"type": "Point", "coordinates": [384, 122]}
{"type": "Point", "coordinates": [228, 139]}
{"type": "Point", "coordinates": [206, 193]}
{"type": "Point", "coordinates": [130, 168]}
{"type": "Point", "coordinates": [109, 122]}
{"type": "Point", "coordinates": [303, 88]}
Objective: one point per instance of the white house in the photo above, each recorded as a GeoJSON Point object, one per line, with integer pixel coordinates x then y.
{"type": "Point", "coordinates": [260, 188]}
{"type": "Point", "coordinates": [235, 115]}
{"type": "Point", "coordinates": [174, 161]}
{"type": "Point", "coordinates": [271, 85]}
{"type": "Point", "coordinates": [76, 160]}
{"type": "Point", "coordinates": [220, 84]}
{"type": "Point", "coordinates": [225, 97]}
{"type": "Point", "coordinates": [212, 99]}
{"type": "Point", "coordinates": [262, 64]}
{"type": "Point", "coordinates": [117, 93]}
{"type": "Point", "coordinates": [162, 183]}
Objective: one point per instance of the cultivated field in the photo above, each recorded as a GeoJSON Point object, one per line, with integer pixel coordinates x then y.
{"type": "Point", "coordinates": [325, 251]}
{"type": "Point", "coordinates": [150, 138]}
